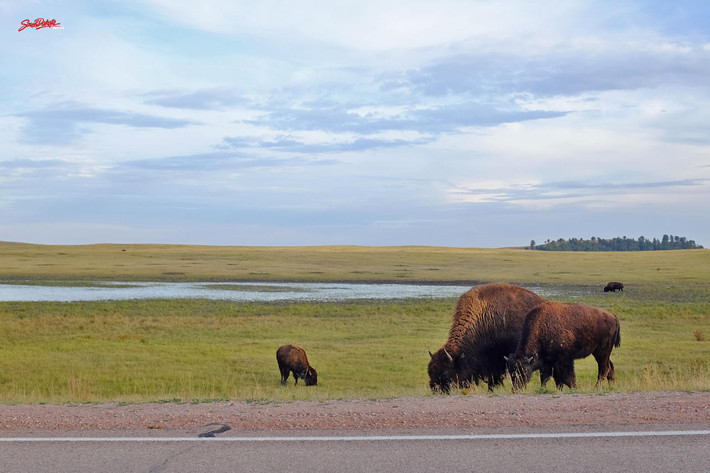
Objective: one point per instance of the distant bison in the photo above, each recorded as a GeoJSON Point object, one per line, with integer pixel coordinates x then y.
{"type": "Point", "coordinates": [487, 325]}
{"type": "Point", "coordinates": [292, 359]}
{"type": "Point", "coordinates": [555, 334]}
{"type": "Point", "coordinates": [613, 287]}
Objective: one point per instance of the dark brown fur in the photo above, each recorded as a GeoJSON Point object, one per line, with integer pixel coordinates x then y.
{"type": "Point", "coordinates": [487, 325]}
{"type": "Point", "coordinates": [613, 287]}
{"type": "Point", "coordinates": [292, 359]}
{"type": "Point", "coordinates": [555, 334]}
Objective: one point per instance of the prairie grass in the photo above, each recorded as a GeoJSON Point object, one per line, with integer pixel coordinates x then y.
{"type": "Point", "coordinates": [195, 350]}
{"type": "Point", "coordinates": [200, 350]}
{"type": "Point", "coordinates": [152, 350]}
{"type": "Point", "coordinates": [344, 263]}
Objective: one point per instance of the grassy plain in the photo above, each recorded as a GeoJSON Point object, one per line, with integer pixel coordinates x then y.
{"type": "Point", "coordinates": [343, 263]}
{"type": "Point", "coordinates": [198, 350]}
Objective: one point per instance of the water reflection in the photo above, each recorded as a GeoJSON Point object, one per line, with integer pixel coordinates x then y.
{"type": "Point", "coordinates": [244, 292]}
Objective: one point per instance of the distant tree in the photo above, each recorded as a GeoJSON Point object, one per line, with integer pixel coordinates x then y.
{"type": "Point", "coordinates": [668, 242]}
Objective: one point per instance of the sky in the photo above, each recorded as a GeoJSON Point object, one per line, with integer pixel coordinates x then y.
{"type": "Point", "coordinates": [476, 123]}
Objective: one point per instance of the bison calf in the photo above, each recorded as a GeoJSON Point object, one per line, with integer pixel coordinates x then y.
{"type": "Point", "coordinates": [292, 359]}
{"type": "Point", "coordinates": [555, 334]}
{"type": "Point", "coordinates": [613, 287]}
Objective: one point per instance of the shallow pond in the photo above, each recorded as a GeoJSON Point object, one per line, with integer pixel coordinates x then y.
{"type": "Point", "coordinates": [243, 292]}
{"type": "Point", "coordinates": [254, 292]}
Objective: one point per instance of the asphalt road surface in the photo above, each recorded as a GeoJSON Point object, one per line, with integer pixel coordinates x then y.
{"type": "Point", "coordinates": [660, 449]}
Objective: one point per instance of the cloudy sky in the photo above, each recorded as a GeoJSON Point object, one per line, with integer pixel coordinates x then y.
{"type": "Point", "coordinates": [455, 123]}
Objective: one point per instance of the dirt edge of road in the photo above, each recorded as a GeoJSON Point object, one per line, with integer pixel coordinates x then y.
{"type": "Point", "coordinates": [400, 413]}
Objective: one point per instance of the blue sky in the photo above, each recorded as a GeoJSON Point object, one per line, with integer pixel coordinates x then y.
{"type": "Point", "coordinates": [452, 123]}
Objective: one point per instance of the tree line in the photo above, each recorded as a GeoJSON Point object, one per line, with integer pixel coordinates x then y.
{"type": "Point", "coordinates": [668, 242]}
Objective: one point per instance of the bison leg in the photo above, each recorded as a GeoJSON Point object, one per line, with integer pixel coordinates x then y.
{"type": "Point", "coordinates": [606, 370]}
{"type": "Point", "coordinates": [604, 364]}
{"type": "Point", "coordinates": [571, 379]}
{"type": "Point", "coordinates": [563, 374]}
{"type": "Point", "coordinates": [494, 380]}
{"type": "Point", "coordinates": [284, 374]}
{"type": "Point", "coordinates": [301, 375]}
{"type": "Point", "coordinates": [545, 374]}
{"type": "Point", "coordinates": [491, 381]}
{"type": "Point", "coordinates": [603, 370]}
{"type": "Point", "coordinates": [610, 374]}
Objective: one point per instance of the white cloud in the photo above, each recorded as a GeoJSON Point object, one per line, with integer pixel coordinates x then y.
{"type": "Point", "coordinates": [379, 26]}
{"type": "Point", "coordinates": [384, 122]}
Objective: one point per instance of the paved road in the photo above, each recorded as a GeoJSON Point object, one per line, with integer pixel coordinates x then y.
{"type": "Point", "coordinates": [660, 450]}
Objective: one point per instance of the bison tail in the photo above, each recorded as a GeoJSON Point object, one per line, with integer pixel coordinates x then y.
{"type": "Point", "coordinates": [617, 343]}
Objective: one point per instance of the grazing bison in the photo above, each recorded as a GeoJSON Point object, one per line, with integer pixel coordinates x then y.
{"type": "Point", "coordinates": [555, 334]}
{"type": "Point", "coordinates": [292, 359]}
{"type": "Point", "coordinates": [487, 325]}
{"type": "Point", "coordinates": [613, 287]}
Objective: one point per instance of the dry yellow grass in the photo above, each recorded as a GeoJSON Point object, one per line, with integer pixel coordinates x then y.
{"type": "Point", "coordinates": [344, 263]}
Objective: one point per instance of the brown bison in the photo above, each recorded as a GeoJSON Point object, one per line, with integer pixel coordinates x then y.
{"type": "Point", "coordinates": [292, 359]}
{"type": "Point", "coordinates": [613, 287]}
{"type": "Point", "coordinates": [487, 325]}
{"type": "Point", "coordinates": [555, 334]}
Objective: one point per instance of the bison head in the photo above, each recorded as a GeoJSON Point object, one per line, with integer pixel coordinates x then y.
{"type": "Point", "coordinates": [311, 377]}
{"type": "Point", "coordinates": [520, 367]}
{"type": "Point", "coordinates": [446, 370]}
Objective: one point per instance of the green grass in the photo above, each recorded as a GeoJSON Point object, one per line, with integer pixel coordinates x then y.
{"type": "Point", "coordinates": [198, 350]}
{"type": "Point", "coordinates": [22, 262]}
{"type": "Point", "coordinates": [153, 350]}
{"type": "Point", "coordinates": [138, 351]}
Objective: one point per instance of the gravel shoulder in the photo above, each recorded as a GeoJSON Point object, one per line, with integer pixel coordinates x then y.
{"type": "Point", "coordinates": [458, 411]}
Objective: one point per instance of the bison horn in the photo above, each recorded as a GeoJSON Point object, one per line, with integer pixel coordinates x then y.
{"type": "Point", "coordinates": [505, 358]}
{"type": "Point", "coordinates": [530, 359]}
{"type": "Point", "coordinates": [432, 356]}
{"type": "Point", "coordinates": [448, 356]}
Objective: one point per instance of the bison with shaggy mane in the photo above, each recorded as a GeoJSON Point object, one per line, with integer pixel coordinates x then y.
{"type": "Point", "coordinates": [555, 334]}
{"type": "Point", "coordinates": [487, 325]}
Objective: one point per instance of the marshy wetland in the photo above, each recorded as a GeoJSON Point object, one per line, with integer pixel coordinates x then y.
{"type": "Point", "coordinates": [201, 349]}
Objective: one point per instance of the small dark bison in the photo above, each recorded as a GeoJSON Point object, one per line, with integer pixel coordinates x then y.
{"type": "Point", "coordinates": [555, 334]}
{"type": "Point", "coordinates": [486, 326]}
{"type": "Point", "coordinates": [613, 287]}
{"type": "Point", "coordinates": [292, 359]}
